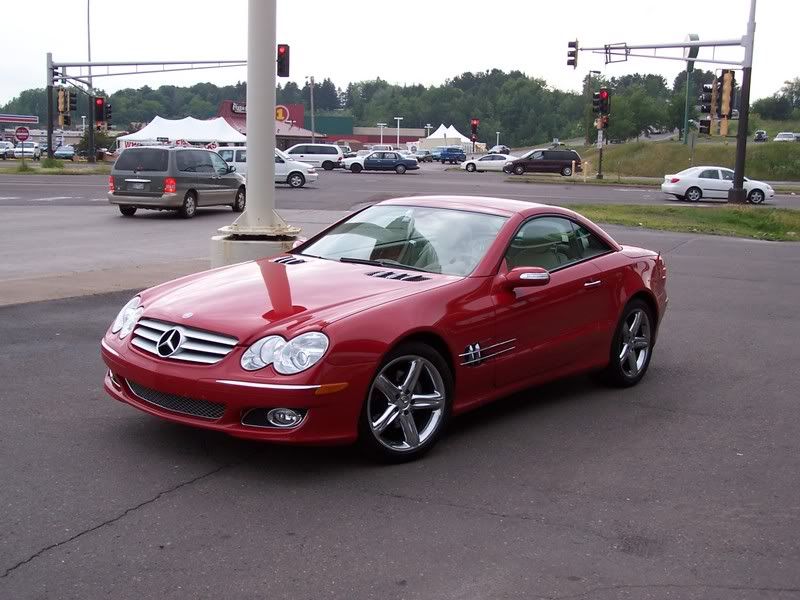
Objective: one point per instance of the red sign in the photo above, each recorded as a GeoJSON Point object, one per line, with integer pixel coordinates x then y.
{"type": "Point", "coordinates": [22, 134]}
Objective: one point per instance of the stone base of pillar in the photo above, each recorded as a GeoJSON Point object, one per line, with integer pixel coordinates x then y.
{"type": "Point", "coordinates": [227, 250]}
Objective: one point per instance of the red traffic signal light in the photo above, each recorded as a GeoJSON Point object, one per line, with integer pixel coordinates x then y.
{"type": "Point", "coordinates": [604, 98]}
{"type": "Point", "coordinates": [99, 109]}
{"type": "Point", "coordinates": [283, 60]}
{"type": "Point", "coordinates": [473, 123]}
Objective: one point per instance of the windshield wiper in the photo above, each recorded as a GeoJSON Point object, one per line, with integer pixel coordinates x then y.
{"type": "Point", "coordinates": [380, 263]}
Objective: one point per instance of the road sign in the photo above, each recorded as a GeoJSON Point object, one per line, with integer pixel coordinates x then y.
{"type": "Point", "coordinates": [22, 134]}
{"type": "Point", "coordinates": [281, 113]}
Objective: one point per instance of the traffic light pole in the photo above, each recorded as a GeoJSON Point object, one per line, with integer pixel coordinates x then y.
{"type": "Point", "coordinates": [49, 105]}
{"type": "Point", "coordinates": [686, 108]}
{"type": "Point", "coordinates": [737, 193]}
{"type": "Point", "coordinates": [600, 144]}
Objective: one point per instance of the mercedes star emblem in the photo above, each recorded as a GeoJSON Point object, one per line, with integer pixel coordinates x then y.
{"type": "Point", "coordinates": [169, 343]}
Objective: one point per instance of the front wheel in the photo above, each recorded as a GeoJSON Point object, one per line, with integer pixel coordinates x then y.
{"type": "Point", "coordinates": [519, 169]}
{"type": "Point", "coordinates": [632, 346]}
{"type": "Point", "coordinates": [127, 210]}
{"type": "Point", "coordinates": [327, 165]}
{"type": "Point", "coordinates": [296, 180]}
{"type": "Point", "coordinates": [470, 167]}
{"type": "Point", "coordinates": [240, 200]}
{"type": "Point", "coordinates": [755, 197]}
{"type": "Point", "coordinates": [400, 169]}
{"type": "Point", "coordinates": [356, 168]}
{"type": "Point", "coordinates": [407, 404]}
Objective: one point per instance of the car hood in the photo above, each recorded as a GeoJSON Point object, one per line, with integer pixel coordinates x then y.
{"type": "Point", "coordinates": [248, 299]}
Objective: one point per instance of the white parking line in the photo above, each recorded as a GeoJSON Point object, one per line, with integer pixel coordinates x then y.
{"type": "Point", "coordinates": [51, 198]}
{"type": "Point", "coordinates": [98, 200]}
{"type": "Point", "coordinates": [9, 197]}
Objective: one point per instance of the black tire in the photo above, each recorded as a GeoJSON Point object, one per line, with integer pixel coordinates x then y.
{"type": "Point", "coordinates": [471, 168]}
{"type": "Point", "coordinates": [566, 172]}
{"type": "Point", "coordinates": [679, 197]}
{"type": "Point", "coordinates": [189, 207]}
{"type": "Point", "coordinates": [616, 373]}
{"type": "Point", "coordinates": [240, 201]}
{"type": "Point", "coordinates": [356, 168]}
{"type": "Point", "coordinates": [296, 179]}
{"type": "Point", "coordinates": [756, 196]}
{"type": "Point", "coordinates": [327, 165]}
{"type": "Point", "coordinates": [444, 162]}
{"type": "Point", "coordinates": [519, 169]}
{"type": "Point", "coordinates": [127, 210]}
{"type": "Point", "coordinates": [400, 169]}
{"type": "Point", "coordinates": [694, 194]}
{"type": "Point", "coordinates": [368, 439]}
{"type": "Point", "coordinates": [507, 169]}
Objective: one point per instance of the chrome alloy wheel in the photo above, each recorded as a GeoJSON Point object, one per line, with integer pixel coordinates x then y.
{"type": "Point", "coordinates": [635, 343]}
{"type": "Point", "coordinates": [406, 403]}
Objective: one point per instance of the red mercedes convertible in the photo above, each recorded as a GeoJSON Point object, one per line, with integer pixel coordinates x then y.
{"type": "Point", "coordinates": [389, 322]}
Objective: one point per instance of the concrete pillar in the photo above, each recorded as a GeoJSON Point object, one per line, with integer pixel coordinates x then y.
{"type": "Point", "coordinates": [259, 231]}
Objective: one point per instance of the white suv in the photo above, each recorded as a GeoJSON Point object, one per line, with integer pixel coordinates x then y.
{"type": "Point", "coordinates": [295, 173]}
{"type": "Point", "coordinates": [327, 156]}
{"type": "Point", "coordinates": [28, 150]}
{"type": "Point", "coordinates": [6, 150]}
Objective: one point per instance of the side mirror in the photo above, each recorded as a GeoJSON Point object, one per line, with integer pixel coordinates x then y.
{"type": "Point", "coordinates": [298, 241]}
{"type": "Point", "coordinates": [527, 277]}
{"type": "Point", "coordinates": [231, 168]}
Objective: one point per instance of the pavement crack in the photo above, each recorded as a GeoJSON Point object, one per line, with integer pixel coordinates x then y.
{"type": "Point", "coordinates": [678, 245]}
{"type": "Point", "coordinates": [112, 520]}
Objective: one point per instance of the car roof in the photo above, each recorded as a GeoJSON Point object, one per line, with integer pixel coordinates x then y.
{"type": "Point", "coordinates": [482, 204]}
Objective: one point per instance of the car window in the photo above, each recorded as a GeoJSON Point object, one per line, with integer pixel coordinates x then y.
{"type": "Point", "coordinates": [143, 159]}
{"type": "Point", "coordinates": [709, 174]}
{"type": "Point", "coordinates": [227, 155]}
{"type": "Point", "coordinates": [376, 156]}
{"type": "Point", "coordinates": [589, 244]}
{"type": "Point", "coordinates": [537, 156]}
{"type": "Point", "coordinates": [297, 150]}
{"type": "Point", "coordinates": [278, 160]}
{"type": "Point", "coordinates": [241, 156]}
{"type": "Point", "coordinates": [390, 156]}
{"type": "Point", "coordinates": [727, 175]}
{"type": "Point", "coordinates": [219, 165]}
{"type": "Point", "coordinates": [546, 242]}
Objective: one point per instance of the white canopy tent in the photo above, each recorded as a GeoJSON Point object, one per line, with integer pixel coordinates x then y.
{"type": "Point", "coordinates": [449, 136]}
{"type": "Point", "coordinates": [189, 129]}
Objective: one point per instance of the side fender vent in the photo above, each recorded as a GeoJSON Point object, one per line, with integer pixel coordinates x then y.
{"type": "Point", "coordinates": [288, 260]}
{"type": "Point", "coordinates": [397, 276]}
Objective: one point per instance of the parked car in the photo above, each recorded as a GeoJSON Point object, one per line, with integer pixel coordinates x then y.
{"type": "Point", "coordinates": [289, 171]}
{"type": "Point", "coordinates": [28, 150]}
{"type": "Point", "coordinates": [436, 153]}
{"type": "Point", "coordinates": [381, 147]}
{"type": "Point", "coordinates": [173, 178]}
{"type": "Point", "coordinates": [500, 149]}
{"type": "Point", "coordinates": [327, 156]}
{"type": "Point", "coordinates": [381, 161]}
{"type": "Point", "coordinates": [6, 150]}
{"type": "Point", "coordinates": [423, 156]}
{"type": "Point", "coordinates": [65, 153]}
{"type": "Point", "coordinates": [785, 136]}
{"type": "Point", "coordinates": [452, 155]}
{"type": "Point", "coordinates": [760, 136]}
{"type": "Point", "coordinates": [488, 162]}
{"type": "Point", "coordinates": [543, 160]}
{"type": "Point", "coordinates": [407, 312]}
{"type": "Point", "coordinates": [695, 183]}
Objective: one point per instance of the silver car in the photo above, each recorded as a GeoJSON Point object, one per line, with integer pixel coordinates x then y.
{"type": "Point", "coordinates": [167, 178]}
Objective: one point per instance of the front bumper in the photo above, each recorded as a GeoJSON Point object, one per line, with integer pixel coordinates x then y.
{"type": "Point", "coordinates": [311, 177]}
{"type": "Point", "coordinates": [331, 418]}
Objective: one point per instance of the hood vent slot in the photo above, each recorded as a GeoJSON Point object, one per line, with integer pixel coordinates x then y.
{"type": "Point", "coordinates": [288, 260]}
{"type": "Point", "coordinates": [397, 276]}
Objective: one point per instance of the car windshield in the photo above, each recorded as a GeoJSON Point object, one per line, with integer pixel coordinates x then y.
{"type": "Point", "coordinates": [435, 240]}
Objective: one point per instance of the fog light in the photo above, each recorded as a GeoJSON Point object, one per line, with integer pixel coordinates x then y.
{"type": "Point", "coordinates": [114, 381]}
{"type": "Point", "coordinates": [284, 417]}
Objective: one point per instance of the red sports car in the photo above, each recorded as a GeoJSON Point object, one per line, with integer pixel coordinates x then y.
{"type": "Point", "coordinates": [387, 323]}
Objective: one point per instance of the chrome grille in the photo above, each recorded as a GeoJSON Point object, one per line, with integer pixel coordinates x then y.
{"type": "Point", "coordinates": [179, 404]}
{"type": "Point", "coordinates": [197, 346]}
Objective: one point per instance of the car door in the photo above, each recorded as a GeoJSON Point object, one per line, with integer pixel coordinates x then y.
{"type": "Point", "coordinates": [389, 161]}
{"type": "Point", "coordinates": [206, 177]}
{"type": "Point", "coordinates": [373, 162]}
{"type": "Point", "coordinates": [485, 163]}
{"type": "Point", "coordinates": [727, 181]}
{"type": "Point", "coordinates": [552, 326]}
{"type": "Point", "coordinates": [711, 184]}
{"type": "Point", "coordinates": [535, 162]}
{"type": "Point", "coordinates": [226, 182]}
{"type": "Point", "coordinates": [301, 153]}
{"type": "Point", "coordinates": [281, 169]}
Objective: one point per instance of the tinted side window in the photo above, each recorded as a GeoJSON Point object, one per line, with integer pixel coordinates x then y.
{"type": "Point", "coordinates": [589, 244]}
{"type": "Point", "coordinates": [219, 165]}
{"type": "Point", "coordinates": [143, 159]}
{"type": "Point", "coordinates": [727, 175]}
{"type": "Point", "coordinates": [241, 156]}
{"type": "Point", "coordinates": [547, 242]}
{"type": "Point", "coordinates": [298, 150]}
{"type": "Point", "coordinates": [329, 150]}
{"type": "Point", "coordinates": [227, 155]}
{"type": "Point", "coordinates": [709, 174]}
{"type": "Point", "coordinates": [551, 155]}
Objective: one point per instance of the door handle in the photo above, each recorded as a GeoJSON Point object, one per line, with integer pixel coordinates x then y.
{"type": "Point", "coordinates": [591, 284]}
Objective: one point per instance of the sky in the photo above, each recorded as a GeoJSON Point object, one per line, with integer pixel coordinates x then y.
{"type": "Point", "coordinates": [413, 41]}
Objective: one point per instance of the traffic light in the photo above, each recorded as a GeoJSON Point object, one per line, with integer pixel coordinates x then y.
{"type": "Point", "coordinates": [107, 115]}
{"type": "Point", "coordinates": [283, 60]}
{"type": "Point", "coordinates": [705, 98]}
{"type": "Point", "coordinates": [99, 109]}
{"type": "Point", "coordinates": [473, 123]}
{"type": "Point", "coordinates": [705, 126]}
{"type": "Point", "coordinates": [605, 101]}
{"type": "Point", "coordinates": [66, 120]}
{"type": "Point", "coordinates": [726, 102]}
{"type": "Point", "coordinates": [572, 54]}
{"type": "Point", "coordinates": [62, 101]}
{"type": "Point", "coordinates": [596, 102]}
{"type": "Point", "coordinates": [72, 101]}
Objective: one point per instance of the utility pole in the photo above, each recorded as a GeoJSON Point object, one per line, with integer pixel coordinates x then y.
{"type": "Point", "coordinates": [91, 155]}
{"type": "Point", "coordinates": [398, 119]}
{"type": "Point", "coordinates": [49, 105]}
{"type": "Point", "coordinates": [737, 193]}
{"type": "Point", "coordinates": [428, 128]}
{"type": "Point", "coordinates": [381, 126]}
{"type": "Point", "coordinates": [313, 123]}
{"type": "Point", "coordinates": [689, 53]}
{"type": "Point", "coordinates": [587, 115]}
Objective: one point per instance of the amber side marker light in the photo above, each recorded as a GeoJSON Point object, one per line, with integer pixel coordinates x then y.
{"type": "Point", "coordinates": [330, 388]}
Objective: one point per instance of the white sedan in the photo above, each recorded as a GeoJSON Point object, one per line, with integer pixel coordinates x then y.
{"type": "Point", "coordinates": [488, 162]}
{"type": "Point", "coordinates": [696, 183]}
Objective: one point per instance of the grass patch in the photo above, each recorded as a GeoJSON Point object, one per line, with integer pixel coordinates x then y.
{"type": "Point", "coordinates": [760, 223]}
{"type": "Point", "coordinates": [52, 163]}
{"type": "Point", "coordinates": [65, 170]}
{"type": "Point", "coordinates": [24, 167]}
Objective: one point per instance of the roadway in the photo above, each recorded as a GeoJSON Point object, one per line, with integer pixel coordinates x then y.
{"type": "Point", "coordinates": [683, 487]}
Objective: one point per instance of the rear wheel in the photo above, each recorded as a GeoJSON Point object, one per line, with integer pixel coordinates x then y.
{"type": "Point", "coordinates": [631, 347]}
{"type": "Point", "coordinates": [127, 210]}
{"type": "Point", "coordinates": [356, 168]}
{"type": "Point", "coordinates": [471, 167]}
{"type": "Point", "coordinates": [693, 194]}
{"type": "Point", "coordinates": [407, 405]}
{"type": "Point", "coordinates": [327, 165]}
{"type": "Point", "coordinates": [189, 207]}
{"type": "Point", "coordinates": [400, 169]}
{"type": "Point", "coordinates": [240, 200]}
{"type": "Point", "coordinates": [296, 180]}
{"type": "Point", "coordinates": [519, 169]}
{"type": "Point", "coordinates": [755, 197]}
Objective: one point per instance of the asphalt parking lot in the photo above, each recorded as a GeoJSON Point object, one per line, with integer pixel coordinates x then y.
{"type": "Point", "coordinates": [683, 487]}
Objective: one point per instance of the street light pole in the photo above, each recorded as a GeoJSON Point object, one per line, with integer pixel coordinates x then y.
{"type": "Point", "coordinates": [497, 143]}
{"type": "Point", "coordinates": [428, 128]}
{"type": "Point", "coordinates": [313, 124]}
{"type": "Point", "coordinates": [91, 155]}
{"type": "Point", "coordinates": [737, 193]}
{"type": "Point", "coordinates": [381, 125]}
{"type": "Point", "coordinates": [398, 119]}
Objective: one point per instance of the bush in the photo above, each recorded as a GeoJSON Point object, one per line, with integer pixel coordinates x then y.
{"type": "Point", "coordinates": [24, 167]}
{"type": "Point", "coordinates": [52, 163]}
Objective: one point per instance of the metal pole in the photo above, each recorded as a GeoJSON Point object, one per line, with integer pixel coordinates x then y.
{"type": "Point", "coordinates": [600, 159]}
{"type": "Point", "coordinates": [313, 122]}
{"type": "Point", "coordinates": [381, 126]}
{"type": "Point", "coordinates": [398, 119]}
{"type": "Point", "coordinates": [498, 138]}
{"type": "Point", "coordinates": [686, 107]}
{"type": "Point", "coordinates": [49, 105]}
{"type": "Point", "coordinates": [92, 153]}
{"type": "Point", "coordinates": [737, 193]}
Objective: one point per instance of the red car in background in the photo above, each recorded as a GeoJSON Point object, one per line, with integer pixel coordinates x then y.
{"type": "Point", "coordinates": [386, 324]}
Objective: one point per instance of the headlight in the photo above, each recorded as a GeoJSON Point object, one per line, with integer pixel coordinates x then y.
{"type": "Point", "coordinates": [287, 358]}
{"type": "Point", "coordinates": [127, 317]}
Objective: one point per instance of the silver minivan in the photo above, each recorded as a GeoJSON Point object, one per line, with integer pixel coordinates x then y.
{"type": "Point", "coordinates": [173, 178]}
{"type": "Point", "coordinates": [327, 156]}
